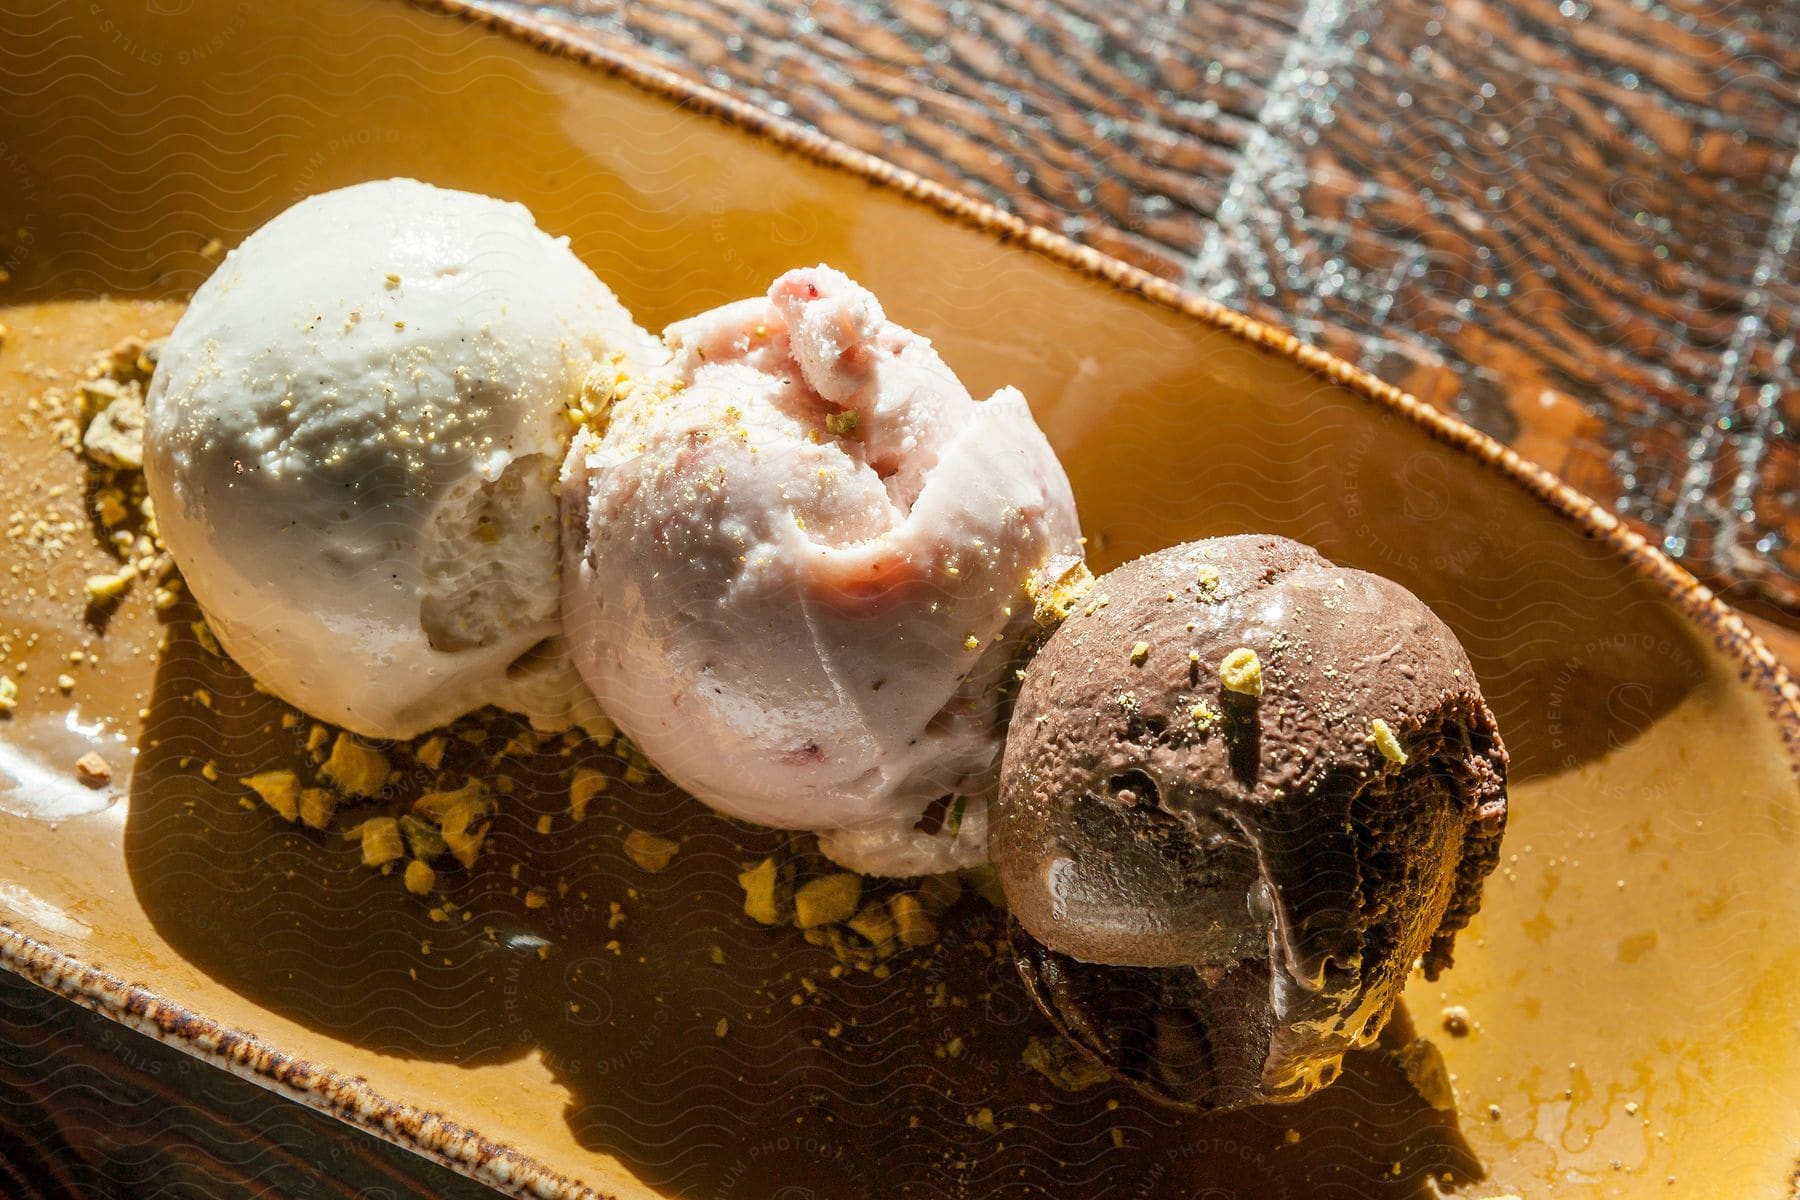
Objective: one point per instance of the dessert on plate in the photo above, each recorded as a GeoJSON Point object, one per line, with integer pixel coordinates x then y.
{"type": "Point", "coordinates": [795, 567]}
{"type": "Point", "coordinates": [1244, 790]}
{"type": "Point", "coordinates": [352, 439]}
{"type": "Point", "coordinates": [1228, 793]}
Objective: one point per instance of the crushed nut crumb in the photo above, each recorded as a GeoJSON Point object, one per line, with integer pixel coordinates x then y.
{"type": "Point", "coordinates": [762, 892]}
{"type": "Point", "coordinates": [1241, 672]}
{"type": "Point", "coordinates": [355, 769]}
{"type": "Point", "coordinates": [1387, 742]}
{"type": "Point", "coordinates": [649, 852]}
{"type": "Point", "coordinates": [93, 770]}
{"type": "Point", "coordinates": [827, 901]}
{"type": "Point", "coordinates": [420, 878]}
{"type": "Point", "coordinates": [1055, 589]}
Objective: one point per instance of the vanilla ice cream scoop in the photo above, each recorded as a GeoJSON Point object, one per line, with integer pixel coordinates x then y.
{"type": "Point", "coordinates": [795, 567]}
{"type": "Point", "coordinates": [352, 440]}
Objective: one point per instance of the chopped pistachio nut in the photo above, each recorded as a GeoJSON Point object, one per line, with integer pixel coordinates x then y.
{"type": "Point", "coordinates": [649, 852]}
{"type": "Point", "coordinates": [115, 437]}
{"type": "Point", "coordinates": [353, 768]}
{"type": "Point", "coordinates": [461, 819]}
{"type": "Point", "coordinates": [9, 694]}
{"type": "Point", "coordinates": [873, 924]}
{"type": "Point", "coordinates": [584, 785]}
{"type": "Point", "coordinates": [422, 838]}
{"type": "Point", "coordinates": [1241, 672]}
{"type": "Point", "coordinates": [464, 835]}
{"type": "Point", "coordinates": [110, 507]}
{"type": "Point", "coordinates": [280, 790]}
{"type": "Point", "coordinates": [439, 805]}
{"type": "Point", "coordinates": [841, 423]}
{"type": "Point", "coordinates": [381, 843]}
{"type": "Point", "coordinates": [420, 878]}
{"type": "Point", "coordinates": [1139, 653]}
{"type": "Point", "coordinates": [104, 589]}
{"type": "Point", "coordinates": [604, 383]}
{"type": "Point", "coordinates": [913, 923]}
{"type": "Point", "coordinates": [1057, 588]}
{"type": "Point", "coordinates": [1382, 734]}
{"type": "Point", "coordinates": [761, 889]}
{"type": "Point", "coordinates": [92, 770]}
{"type": "Point", "coordinates": [208, 642]}
{"type": "Point", "coordinates": [828, 900]}
{"type": "Point", "coordinates": [95, 396]}
{"type": "Point", "coordinates": [1205, 716]}
{"type": "Point", "coordinates": [430, 753]}
{"type": "Point", "coordinates": [317, 805]}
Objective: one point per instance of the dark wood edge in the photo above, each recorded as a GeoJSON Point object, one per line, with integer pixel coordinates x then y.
{"type": "Point", "coordinates": [348, 1098]}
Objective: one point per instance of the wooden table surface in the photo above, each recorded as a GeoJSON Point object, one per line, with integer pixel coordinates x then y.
{"type": "Point", "coordinates": [1570, 222]}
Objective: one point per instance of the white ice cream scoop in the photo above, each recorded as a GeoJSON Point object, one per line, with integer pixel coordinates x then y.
{"type": "Point", "coordinates": [795, 566]}
{"type": "Point", "coordinates": [352, 441]}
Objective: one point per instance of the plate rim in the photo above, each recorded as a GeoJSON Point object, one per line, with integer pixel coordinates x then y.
{"type": "Point", "coordinates": [1758, 664]}
{"type": "Point", "coordinates": [466, 1150]}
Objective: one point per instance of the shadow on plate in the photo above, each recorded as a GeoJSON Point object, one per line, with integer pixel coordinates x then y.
{"type": "Point", "coordinates": [713, 1056]}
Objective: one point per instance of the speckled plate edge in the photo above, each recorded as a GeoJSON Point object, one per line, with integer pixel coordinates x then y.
{"type": "Point", "coordinates": [437, 1137]}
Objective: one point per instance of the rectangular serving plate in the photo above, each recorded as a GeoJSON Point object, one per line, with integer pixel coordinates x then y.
{"type": "Point", "coordinates": [1649, 730]}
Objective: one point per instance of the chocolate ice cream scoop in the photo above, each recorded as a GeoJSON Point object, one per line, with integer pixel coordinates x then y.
{"type": "Point", "coordinates": [1244, 789]}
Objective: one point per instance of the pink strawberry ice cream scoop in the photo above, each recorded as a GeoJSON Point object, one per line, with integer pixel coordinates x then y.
{"type": "Point", "coordinates": [795, 571]}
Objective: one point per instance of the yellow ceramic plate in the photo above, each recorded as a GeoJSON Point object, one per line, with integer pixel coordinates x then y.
{"type": "Point", "coordinates": [1630, 980]}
